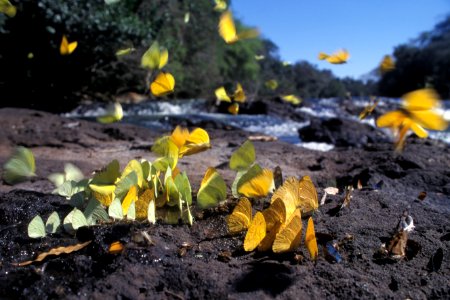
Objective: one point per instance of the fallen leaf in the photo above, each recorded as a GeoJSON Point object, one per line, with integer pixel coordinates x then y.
{"type": "Point", "coordinates": [55, 251]}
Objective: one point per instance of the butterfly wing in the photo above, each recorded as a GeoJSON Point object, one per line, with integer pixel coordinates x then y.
{"type": "Point", "coordinates": [241, 216]}
{"type": "Point", "coordinates": [391, 119]}
{"type": "Point", "coordinates": [289, 237]}
{"type": "Point", "coordinates": [322, 56]}
{"type": "Point", "coordinates": [64, 47]}
{"type": "Point", "coordinates": [258, 184]}
{"type": "Point", "coordinates": [222, 95]}
{"type": "Point", "coordinates": [310, 240]}
{"type": "Point", "coordinates": [198, 141]}
{"type": "Point", "coordinates": [227, 29]}
{"type": "Point", "coordinates": [233, 109]}
{"type": "Point", "coordinates": [275, 214]}
{"type": "Point", "coordinates": [163, 84]}
{"type": "Point", "coordinates": [256, 232]}
{"type": "Point", "coordinates": [387, 64]}
{"type": "Point", "coordinates": [179, 136]}
{"type": "Point", "coordinates": [239, 95]}
{"type": "Point", "coordinates": [339, 57]}
{"type": "Point", "coordinates": [423, 99]}
{"type": "Point", "coordinates": [288, 193]}
{"type": "Point", "coordinates": [429, 119]}
{"type": "Point", "coordinates": [308, 200]}
{"type": "Point", "coordinates": [114, 113]}
{"type": "Point", "coordinates": [71, 47]}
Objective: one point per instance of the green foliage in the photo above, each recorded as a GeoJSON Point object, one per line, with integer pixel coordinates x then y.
{"type": "Point", "coordinates": [53, 82]}
{"type": "Point", "coordinates": [34, 73]}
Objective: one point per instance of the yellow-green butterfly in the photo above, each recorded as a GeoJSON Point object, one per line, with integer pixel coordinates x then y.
{"type": "Point", "coordinates": [155, 57]}
{"type": "Point", "coordinates": [20, 166]}
{"type": "Point", "coordinates": [212, 189]}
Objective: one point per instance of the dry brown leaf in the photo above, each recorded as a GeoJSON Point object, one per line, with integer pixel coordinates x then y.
{"type": "Point", "coordinates": [55, 251]}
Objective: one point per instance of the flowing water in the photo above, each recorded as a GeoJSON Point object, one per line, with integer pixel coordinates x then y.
{"type": "Point", "coordinates": [160, 115]}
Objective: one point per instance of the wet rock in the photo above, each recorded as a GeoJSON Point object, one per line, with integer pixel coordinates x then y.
{"type": "Point", "coordinates": [341, 133]}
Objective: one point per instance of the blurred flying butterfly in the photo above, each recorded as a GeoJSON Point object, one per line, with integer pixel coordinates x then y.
{"type": "Point", "coordinates": [155, 57]}
{"type": "Point", "coordinates": [67, 48]}
{"type": "Point", "coordinates": [387, 64]}
{"type": "Point", "coordinates": [163, 84]}
{"type": "Point", "coordinates": [339, 57]}
{"type": "Point", "coordinates": [20, 166]}
{"type": "Point", "coordinates": [227, 30]}
{"type": "Point", "coordinates": [113, 113]}
{"type": "Point", "coordinates": [292, 99]}
{"type": "Point", "coordinates": [417, 113]}
{"type": "Point", "coordinates": [221, 5]}
{"type": "Point", "coordinates": [368, 109]}
{"type": "Point", "coordinates": [7, 8]}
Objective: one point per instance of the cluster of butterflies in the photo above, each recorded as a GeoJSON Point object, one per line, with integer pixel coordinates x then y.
{"type": "Point", "coordinates": [133, 193]}
{"type": "Point", "coordinates": [278, 227]}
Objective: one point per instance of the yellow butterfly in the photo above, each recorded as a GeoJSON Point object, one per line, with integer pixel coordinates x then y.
{"type": "Point", "coordinates": [267, 242]}
{"type": "Point", "coordinates": [256, 232]}
{"type": "Point", "coordinates": [103, 193]}
{"type": "Point", "coordinates": [155, 57]}
{"type": "Point", "coordinates": [271, 84]}
{"type": "Point", "coordinates": [142, 203]}
{"type": "Point", "coordinates": [67, 48]}
{"type": "Point", "coordinates": [179, 136]}
{"type": "Point", "coordinates": [368, 109]}
{"type": "Point", "coordinates": [292, 99]}
{"type": "Point", "coordinates": [418, 112]}
{"type": "Point", "coordinates": [113, 113]}
{"type": "Point", "coordinates": [289, 237]}
{"type": "Point", "coordinates": [297, 194]}
{"type": "Point", "coordinates": [221, 94]}
{"type": "Point", "coordinates": [125, 51]}
{"type": "Point", "coordinates": [221, 5]}
{"type": "Point", "coordinates": [274, 214]}
{"type": "Point", "coordinates": [233, 109]}
{"type": "Point", "coordinates": [241, 217]}
{"type": "Point", "coordinates": [198, 141]}
{"type": "Point", "coordinates": [308, 195]}
{"type": "Point", "coordinates": [238, 96]}
{"type": "Point", "coordinates": [227, 30]}
{"type": "Point", "coordinates": [387, 64]}
{"type": "Point", "coordinates": [7, 8]}
{"type": "Point", "coordinates": [259, 183]}
{"type": "Point", "coordinates": [339, 57]}
{"type": "Point", "coordinates": [163, 84]}
{"type": "Point", "coordinates": [310, 240]}
{"type": "Point", "coordinates": [130, 197]}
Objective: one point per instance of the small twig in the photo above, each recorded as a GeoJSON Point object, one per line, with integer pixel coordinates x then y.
{"type": "Point", "coordinates": [173, 294]}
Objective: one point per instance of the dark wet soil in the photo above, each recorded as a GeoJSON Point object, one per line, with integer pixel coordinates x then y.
{"type": "Point", "coordinates": [203, 261]}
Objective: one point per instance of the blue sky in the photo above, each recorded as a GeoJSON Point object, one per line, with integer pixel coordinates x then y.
{"type": "Point", "coordinates": [368, 29]}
